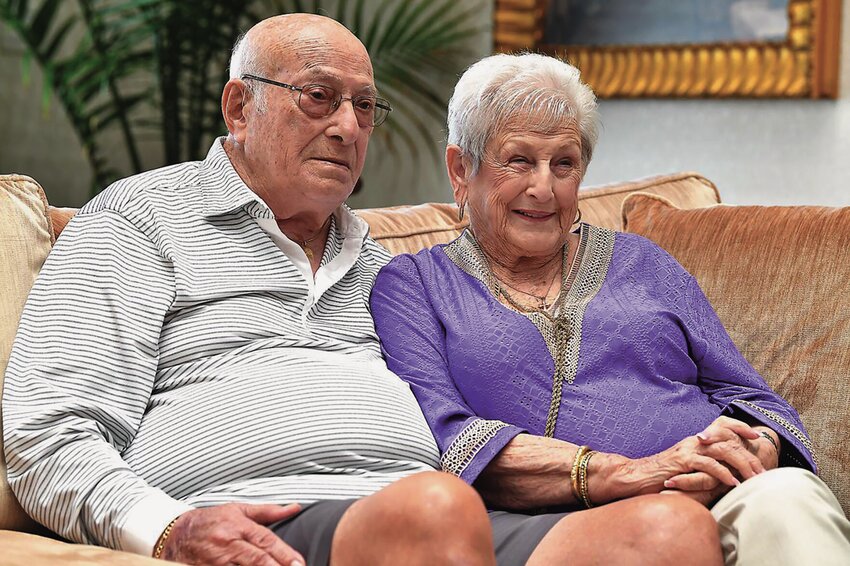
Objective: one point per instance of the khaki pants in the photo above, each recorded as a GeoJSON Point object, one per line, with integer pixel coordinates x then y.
{"type": "Point", "coordinates": [784, 516]}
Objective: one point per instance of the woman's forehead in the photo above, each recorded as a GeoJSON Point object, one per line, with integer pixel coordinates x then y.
{"type": "Point", "coordinates": [534, 125]}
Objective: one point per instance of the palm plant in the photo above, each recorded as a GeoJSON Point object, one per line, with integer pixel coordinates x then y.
{"type": "Point", "coordinates": [156, 67]}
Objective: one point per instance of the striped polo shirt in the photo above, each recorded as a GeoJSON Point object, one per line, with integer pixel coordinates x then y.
{"type": "Point", "coordinates": [176, 352]}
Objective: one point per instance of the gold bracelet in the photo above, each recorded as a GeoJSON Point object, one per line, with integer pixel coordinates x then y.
{"type": "Point", "coordinates": [584, 491]}
{"type": "Point", "coordinates": [574, 481]}
{"type": "Point", "coordinates": [160, 543]}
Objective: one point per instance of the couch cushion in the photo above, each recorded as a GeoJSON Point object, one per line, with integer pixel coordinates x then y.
{"type": "Point", "coordinates": [778, 278]}
{"type": "Point", "coordinates": [411, 228]}
{"type": "Point", "coordinates": [26, 236]}
{"type": "Point", "coordinates": [21, 549]}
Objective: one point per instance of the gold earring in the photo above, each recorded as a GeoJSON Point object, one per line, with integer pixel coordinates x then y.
{"type": "Point", "coordinates": [578, 218]}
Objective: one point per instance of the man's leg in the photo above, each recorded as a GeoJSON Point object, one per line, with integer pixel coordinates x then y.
{"type": "Point", "coordinates": [429, 518]}
{"type": "Point", "coordinates": [783, 516]}
{"type": "Point", "coordinates": [649, 529]}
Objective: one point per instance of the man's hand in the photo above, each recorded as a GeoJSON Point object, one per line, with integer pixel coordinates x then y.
{"type": "Point", "coordinates": [232, 534]}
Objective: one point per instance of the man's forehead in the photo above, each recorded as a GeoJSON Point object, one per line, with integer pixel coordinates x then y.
{"type": "Point", "coordinates": [336, 77]}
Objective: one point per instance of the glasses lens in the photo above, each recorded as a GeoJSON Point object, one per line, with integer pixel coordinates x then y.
{"type": "Point", "coordinates": [317, 100]}
{"type": "Point", "coordinates": [382, 110]}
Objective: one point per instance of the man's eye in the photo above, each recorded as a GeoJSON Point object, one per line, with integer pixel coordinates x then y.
{"type": "Point", "coordinates": [318, 94]}
{"type": "Point", "coordinates": [365, 104]}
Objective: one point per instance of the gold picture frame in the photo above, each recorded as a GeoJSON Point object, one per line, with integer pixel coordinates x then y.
{"type": "Point", "coordinates": [804, 65]}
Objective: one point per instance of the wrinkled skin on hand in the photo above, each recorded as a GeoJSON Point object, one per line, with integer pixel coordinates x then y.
{"type": "Point", "coordinates": [739, 447]}
{"type": "Point", "coordinates": [707, 465]}
{"type": "Point", "coordinates": [231, 534]}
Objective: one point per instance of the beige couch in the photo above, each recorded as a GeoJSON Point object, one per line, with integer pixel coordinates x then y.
{"type": "Point", "coordinates": [777, 276]}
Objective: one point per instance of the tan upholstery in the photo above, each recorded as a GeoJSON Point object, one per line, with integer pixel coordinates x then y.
{"type": "Point", "coordinates": [26, 236]}
{"type": "Point", "coordinates": [26, 227]}
{"type": "Point", "coordinates": [411, 228]}
{"type": "Point", "coordinates": [778, 278]}
{"type": "Point", "coordinates": [31, 550]}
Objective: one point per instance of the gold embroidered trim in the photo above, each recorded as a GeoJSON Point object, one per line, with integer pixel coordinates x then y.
{"type": "Point", "coordinates": [582, 282]}
{"type": "Point", "coordinates": [467, 444]}
{"type": "Point", "coordinates": [784, 423]}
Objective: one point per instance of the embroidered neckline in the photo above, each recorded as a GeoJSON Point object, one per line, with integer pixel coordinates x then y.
{"type": "Point", "coordinates": [562, 334]}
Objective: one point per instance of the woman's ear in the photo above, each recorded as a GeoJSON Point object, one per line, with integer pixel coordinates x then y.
{"type": "Point", "coordinates": [233, 101]}
{"type": "Point", "coordinates": [458, 169]}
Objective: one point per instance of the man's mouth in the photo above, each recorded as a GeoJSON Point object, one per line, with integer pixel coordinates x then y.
{"type": "Point", "coordinates": [334, 161]}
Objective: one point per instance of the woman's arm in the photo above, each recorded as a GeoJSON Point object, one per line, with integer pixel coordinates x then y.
{"type": "Point", "coordinates": [732, 383]}
{"type": "Point", "coordinates": [511, 470]}
{"type": "Point", "coordinates": [414, 345]}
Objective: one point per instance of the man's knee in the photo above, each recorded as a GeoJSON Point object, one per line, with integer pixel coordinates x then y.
{"type": "Point", "coordinates": [437, 502]}
{"type": "Point", "coordinates": [669, 520]}
{"type": "Point", "coordinates": [432, 518]}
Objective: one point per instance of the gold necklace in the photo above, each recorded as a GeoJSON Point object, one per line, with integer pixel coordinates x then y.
{"type": "Point", "coordinates": [307, 251]}
{"type": "Point", "coordinates": [541, 300]}
{"type": "Point", "coordinates": [542, 305]}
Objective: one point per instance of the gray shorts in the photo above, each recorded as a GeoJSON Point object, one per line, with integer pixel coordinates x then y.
{"type": "Point", "coordinates": [311, 532]}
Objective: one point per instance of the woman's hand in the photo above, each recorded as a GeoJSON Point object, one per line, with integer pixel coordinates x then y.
{"type": "Point", "coordinates": [231, 534]}
{"type": "Point", "coordinates": [718, 456]}
{"type": "Point", "coordinates": [705, 488]}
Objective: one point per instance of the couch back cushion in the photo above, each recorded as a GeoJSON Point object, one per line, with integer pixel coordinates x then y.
{"type": "Point", "coordinates": [26, 236]}
{"type": "Point", "coordinates": [778, 278]}
{"type": "Point", "coordinates": [408, 229]}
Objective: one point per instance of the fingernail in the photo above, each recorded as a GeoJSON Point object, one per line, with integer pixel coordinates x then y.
{"type": "Point", "coordinates": [737, 481]}
{"type": "Point", "coordinates": [669, 483]}
{"type": "Point", "coordinates": [295, 563]}
{"type": "Point", "coordinates": [702, 436]}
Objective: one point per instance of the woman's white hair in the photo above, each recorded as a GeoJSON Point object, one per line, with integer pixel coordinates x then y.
{"type": "Point", "coordinates": [531, 91]}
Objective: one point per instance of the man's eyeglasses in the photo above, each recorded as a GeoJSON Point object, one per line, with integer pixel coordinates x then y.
{"type": "Point", "coordinates": [319, 101]}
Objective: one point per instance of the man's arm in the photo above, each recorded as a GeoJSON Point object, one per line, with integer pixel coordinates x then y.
{"type": "Point", "coordinates": [79, 380]}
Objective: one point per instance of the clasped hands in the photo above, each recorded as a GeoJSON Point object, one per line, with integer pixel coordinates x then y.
{"type": "Point", "coordinates": [709, 464]}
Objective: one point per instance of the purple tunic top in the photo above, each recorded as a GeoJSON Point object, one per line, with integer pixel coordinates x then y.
{"type": "Point", "coordinates": [647, 361]}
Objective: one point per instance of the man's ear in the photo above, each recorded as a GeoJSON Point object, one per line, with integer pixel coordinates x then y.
{"type": "Point", "coordinates": [458, 169]}
{"type": "Point", "coordinates": [233, 101]}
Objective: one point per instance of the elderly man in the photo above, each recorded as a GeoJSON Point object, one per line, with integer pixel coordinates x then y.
{"type": "Point", "coordinates": [198, 348]}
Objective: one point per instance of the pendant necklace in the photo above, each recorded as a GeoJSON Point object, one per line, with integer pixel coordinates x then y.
{"type": "Point", "coordinates": [307, 251]}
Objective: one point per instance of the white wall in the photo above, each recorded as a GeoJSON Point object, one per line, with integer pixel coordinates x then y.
{"type": "Point", "coordinates": [756, 151]}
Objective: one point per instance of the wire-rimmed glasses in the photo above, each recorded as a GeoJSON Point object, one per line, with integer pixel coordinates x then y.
{"type": "Point", "coordinates": [318, 101]}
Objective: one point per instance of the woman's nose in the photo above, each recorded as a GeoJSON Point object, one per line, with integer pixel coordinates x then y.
{"type": "Point", "coordinates": [541, 182]}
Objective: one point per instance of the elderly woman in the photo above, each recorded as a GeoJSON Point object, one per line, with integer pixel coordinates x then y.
{"type": "Point", "coordinates": [570, 368]}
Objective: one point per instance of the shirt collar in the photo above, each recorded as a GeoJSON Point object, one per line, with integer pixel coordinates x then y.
{"type": "Point", "coordinates": [224, 191]}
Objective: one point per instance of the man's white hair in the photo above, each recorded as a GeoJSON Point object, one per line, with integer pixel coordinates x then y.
{"type": "Point", "coordinates": [246, 59]}
{"type": "Point", "coordinates": [520, 91]}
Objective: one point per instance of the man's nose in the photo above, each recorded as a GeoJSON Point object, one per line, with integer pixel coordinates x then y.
{"type": "Point", "coordinates": [344, 124]}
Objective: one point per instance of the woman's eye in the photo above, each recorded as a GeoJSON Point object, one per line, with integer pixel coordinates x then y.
{"type": "Point", "coordinates": [518, 159]}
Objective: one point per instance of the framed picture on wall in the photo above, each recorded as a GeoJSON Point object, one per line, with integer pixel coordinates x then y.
{"type": "Point", "coordinates": [683, 48]}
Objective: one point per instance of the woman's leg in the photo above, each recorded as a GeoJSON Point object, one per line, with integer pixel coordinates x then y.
{"type": "Point", "coordinates": [649, 529]}
{"type": "Point", "coordinates": [429, 518]}
{"type": "Point", "coordinates": [783, 516]}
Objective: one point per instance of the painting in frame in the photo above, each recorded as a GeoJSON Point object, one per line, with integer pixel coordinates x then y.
{"type": "Point", "coordinates": [683, 48]}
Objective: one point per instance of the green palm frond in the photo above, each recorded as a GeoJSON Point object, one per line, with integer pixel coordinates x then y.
{"type": "Point", "coordinates": [83, 61]}
{"type": "Point", "coordinates": [105, 60]}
